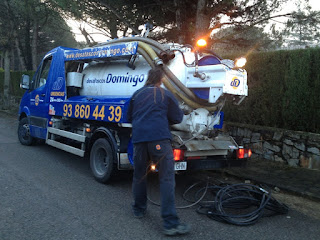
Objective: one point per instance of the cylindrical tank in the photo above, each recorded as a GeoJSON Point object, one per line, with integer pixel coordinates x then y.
{"type": "Point", "coordinates": [115, 78]}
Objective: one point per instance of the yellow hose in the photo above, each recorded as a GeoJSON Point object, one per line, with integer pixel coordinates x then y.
{"type": "Point", "coordinates": [150, 52]}
{"type": "Point", "coordinates": [185, 99]}
{"type": "Point", "coordinates": [157, 61]}
{"type": "Point", "coordinates": [146, 57]}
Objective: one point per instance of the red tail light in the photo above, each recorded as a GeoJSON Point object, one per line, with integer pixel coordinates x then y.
{"type": "Point", "coordinates": [243, 153]}
{"type": "Point", "coordinates": [240, 153]}
{"type": "Point", "coordinates": [178, 154]}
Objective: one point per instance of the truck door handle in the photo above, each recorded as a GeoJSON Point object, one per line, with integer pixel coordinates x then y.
{"type": "Point", "coordinates": [43, 95]}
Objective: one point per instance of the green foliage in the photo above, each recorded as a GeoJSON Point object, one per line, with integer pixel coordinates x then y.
{"type": "Point", "coordinates": [303, 27]}
{"type": "Point", "coordinates": [284, 91]}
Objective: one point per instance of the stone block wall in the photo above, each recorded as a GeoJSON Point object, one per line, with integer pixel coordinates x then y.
{"type": "Point", "coordinates": [298, 149]}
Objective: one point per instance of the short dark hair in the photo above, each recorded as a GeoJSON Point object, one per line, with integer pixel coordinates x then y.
{"type": "Point", "coordinates": [154, 76]}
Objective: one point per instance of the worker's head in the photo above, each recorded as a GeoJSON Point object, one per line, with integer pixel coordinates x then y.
{"type": "Point", "coordinates": [155, 76]}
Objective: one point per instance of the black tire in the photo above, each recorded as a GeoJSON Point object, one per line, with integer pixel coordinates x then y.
{"type": "Point", "coordinates": [24, 133]}
{"type": "Point", "coordinates": [102, 160]}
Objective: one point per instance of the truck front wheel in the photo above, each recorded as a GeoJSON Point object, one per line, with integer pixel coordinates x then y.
{"type": "Point", "coordinates": [101, 160]}
{"type": "Point", "coordinates": [24, 132]}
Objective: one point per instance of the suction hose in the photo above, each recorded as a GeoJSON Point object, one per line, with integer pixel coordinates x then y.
{"type": "Point", "coordinates": [190, 99]}
{"type": "Point", "coordinates": [146, 57]}
{"type": "Point", "coordinates": [167, 71]}
{"type": "Point", "coordinates": [184, 89]}
{"type": "Point", "coordinates": [135, 39]}
{"type": "Point", "coordinates": [151, 53]}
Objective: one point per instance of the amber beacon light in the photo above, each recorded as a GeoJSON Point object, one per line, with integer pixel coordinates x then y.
{"type": "Point", "coordinates": [201, 42]}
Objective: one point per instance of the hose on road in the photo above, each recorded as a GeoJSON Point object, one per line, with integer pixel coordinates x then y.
{"type": "Point", "coordinates": [238, 204]}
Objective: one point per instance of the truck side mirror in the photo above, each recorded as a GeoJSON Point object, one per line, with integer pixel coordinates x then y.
{"type": "Point", "coordinates": [25, 82]}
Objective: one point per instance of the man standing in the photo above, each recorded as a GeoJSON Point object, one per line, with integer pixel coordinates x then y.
{"type": "Point", "coordinates": [152, 109]}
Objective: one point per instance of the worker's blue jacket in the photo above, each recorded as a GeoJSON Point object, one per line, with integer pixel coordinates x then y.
{"type": "Point", "coordinates": [152, 109]}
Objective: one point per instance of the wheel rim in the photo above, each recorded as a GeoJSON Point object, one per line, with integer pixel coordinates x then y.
{"type": "Point", "coordinates": [25, 131]}
{"type": "Point", "coordinates": [101, 161]}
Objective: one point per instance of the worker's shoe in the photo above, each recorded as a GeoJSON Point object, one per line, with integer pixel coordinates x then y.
{"type": "Point", "coordinates": [139, 214]}
{"type": "Point", "coordinates": [178, 230]}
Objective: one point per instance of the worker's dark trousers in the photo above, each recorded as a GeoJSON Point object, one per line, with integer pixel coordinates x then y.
{"type": "Point", "coordinates": [159, 152]}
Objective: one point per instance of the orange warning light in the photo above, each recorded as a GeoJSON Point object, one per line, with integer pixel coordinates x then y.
{"type": "Point", "coordinates": [201, 43]}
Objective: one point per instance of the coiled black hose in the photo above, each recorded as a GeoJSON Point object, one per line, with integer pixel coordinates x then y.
{"type": "Point", "coordinates": [242, 204]}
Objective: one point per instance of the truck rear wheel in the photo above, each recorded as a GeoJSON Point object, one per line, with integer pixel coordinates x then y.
{"type": "Point", "coordinates": [101, 160]}
{"type": "Point", "coordinates": [24, 132]}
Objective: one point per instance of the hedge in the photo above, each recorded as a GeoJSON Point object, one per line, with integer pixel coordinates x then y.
{"type": "Point", "coordinates": [284, 89]}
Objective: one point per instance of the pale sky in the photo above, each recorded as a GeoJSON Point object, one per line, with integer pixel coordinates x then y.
{"type": "Point", "coordinates": [315, 4]}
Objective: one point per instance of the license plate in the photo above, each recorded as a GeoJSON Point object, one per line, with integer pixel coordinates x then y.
{"type": "Point", "coordinates": [180, 166]}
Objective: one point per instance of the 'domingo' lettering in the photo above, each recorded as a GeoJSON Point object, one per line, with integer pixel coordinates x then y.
{"type": "Point", "coordinates": [135, 79]}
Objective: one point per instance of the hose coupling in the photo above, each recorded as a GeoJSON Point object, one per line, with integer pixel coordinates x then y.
{"type": "Point", "coordinates": [167, 55]}
{"type": "Point", "coordinates": [158, 61]}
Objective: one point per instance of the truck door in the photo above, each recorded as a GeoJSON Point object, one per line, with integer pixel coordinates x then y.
{"type": "Point", "coordinates": [39, 100]}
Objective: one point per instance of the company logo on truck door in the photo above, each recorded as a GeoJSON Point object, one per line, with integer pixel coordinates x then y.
{"type": "Point", "coordinates": [58, 83]}
{"type": "Point", "coordinates": [135, 79]}
{"type": "Point", "coordinates": [235, 83]}
{"type": "Point", "coordinates": [36, 100]}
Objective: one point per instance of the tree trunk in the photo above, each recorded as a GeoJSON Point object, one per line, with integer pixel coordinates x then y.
{"type": "Point", "coordinates": [125, 31]}
{"type": "Point", "coordinates": [34, 46]}
{"type": "Point", "coordinates": [201, 21]}
{"type": "Point", "coordinates": [22, 66]}
{"type": "Point", "coordinates": [177, 4]}
{"type": "Point", "coordinates": [27, 52]}
{"type": "Point", "coordinates": [89, 40]}
{"type": "Point", "coordinates": [113, 29]}
{"type": "Point", "coordinates": [12, 63]}
{"type": "Point", "coordinates": [6, 84]}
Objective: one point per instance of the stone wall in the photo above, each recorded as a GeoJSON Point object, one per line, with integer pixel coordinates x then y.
{"type": "Point", "coordinates": [298, 149]}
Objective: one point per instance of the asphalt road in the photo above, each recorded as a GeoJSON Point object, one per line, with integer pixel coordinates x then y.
{"type": "Point", "coordinates": [47, 194]}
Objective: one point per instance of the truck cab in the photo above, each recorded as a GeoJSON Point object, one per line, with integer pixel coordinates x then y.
{"type": "Point", "coordinates": [35, 102]}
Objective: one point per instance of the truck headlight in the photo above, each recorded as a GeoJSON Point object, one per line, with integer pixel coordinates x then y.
{"type": "Point", "coordinates": [240, 62]}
